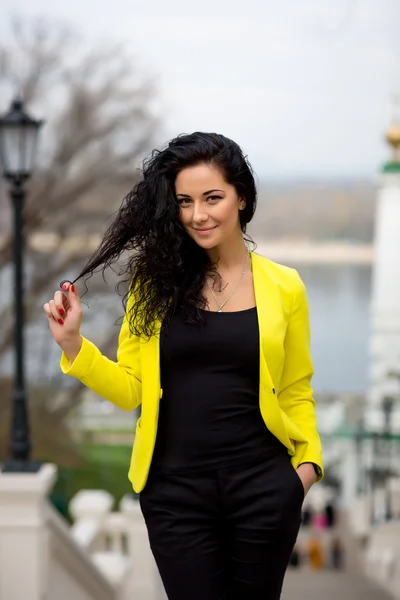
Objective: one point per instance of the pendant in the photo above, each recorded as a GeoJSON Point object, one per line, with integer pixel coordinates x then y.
{"type": "Point", "coordinates": [220, 310]}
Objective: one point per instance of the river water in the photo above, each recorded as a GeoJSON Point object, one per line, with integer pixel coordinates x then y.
{"type": "Point", "coordinates": [339, 300]}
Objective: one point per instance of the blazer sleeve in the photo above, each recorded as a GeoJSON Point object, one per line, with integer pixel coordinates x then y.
{"type": "Point", "coordinates": [117, 381]}
{"type": "Point", "coordinates": [296, 394]}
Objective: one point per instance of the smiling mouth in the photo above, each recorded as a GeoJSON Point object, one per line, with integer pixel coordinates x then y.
{"type": "Point", "coordinates": [206, 229]}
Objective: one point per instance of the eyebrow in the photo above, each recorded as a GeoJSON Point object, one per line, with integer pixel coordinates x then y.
{"type": "Point", "coordinates": [204, 194]}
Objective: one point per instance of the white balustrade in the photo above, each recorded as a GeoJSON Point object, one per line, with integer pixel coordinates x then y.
{"type": "Point", "coordinates": [382, 557]}
{"type": "Point", "coordinates": [394, 495]}
{"type": "Point", "coordinates": [360, 516]}
{"type": "Point", "coordinates": [117, 543]}
{"type": "Point", "coordinates": [39, 556]}
{"type": "Point", "coordinates": [104, 555]}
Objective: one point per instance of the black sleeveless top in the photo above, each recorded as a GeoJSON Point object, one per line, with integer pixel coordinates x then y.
{"type": "Point", "coordinates": [209, 412]}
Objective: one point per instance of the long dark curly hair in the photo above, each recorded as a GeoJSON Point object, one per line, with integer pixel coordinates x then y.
{"type": "Point", "coordinates": [166, 269]}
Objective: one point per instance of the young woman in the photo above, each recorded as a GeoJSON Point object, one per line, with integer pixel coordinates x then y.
{"type": "Point", "coordinates": [215, 347]}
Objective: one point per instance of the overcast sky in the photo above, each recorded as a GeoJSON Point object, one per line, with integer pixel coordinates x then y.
{"type": "Point", "coordinates": [304, 86]}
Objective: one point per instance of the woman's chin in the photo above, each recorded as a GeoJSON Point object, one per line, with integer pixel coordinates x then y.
{"type": "Point", "coordinates": [206, 244]}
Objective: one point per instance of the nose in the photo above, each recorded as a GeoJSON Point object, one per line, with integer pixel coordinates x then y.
{"type": "Point", "coordinates": [199, 214]}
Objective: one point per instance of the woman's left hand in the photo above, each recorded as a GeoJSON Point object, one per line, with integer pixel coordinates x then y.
{"type": "Point", "coordinates": [307, 475]}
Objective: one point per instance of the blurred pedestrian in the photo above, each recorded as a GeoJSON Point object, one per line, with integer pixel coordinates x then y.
{"type": "Point", "coordinates": [307, 517]}
{"type": "Point", "coordinates": [330, 515]}
{"type": "Point", "coordinates": [315, 553]}
{"type": "Point", "coordinates": [223, 462]}
{"type": "Point", "coordinates": [320, 521]}
{"type": "Point", "coordinates": [336, 553]}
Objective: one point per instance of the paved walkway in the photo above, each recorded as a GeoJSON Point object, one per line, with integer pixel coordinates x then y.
{"type": "Point", "coordinates": [312, 585]}
{"type": "Point", "coordinates": [323, 585]}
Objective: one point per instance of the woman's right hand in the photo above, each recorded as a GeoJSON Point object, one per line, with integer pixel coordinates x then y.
{"type": "Point", "coordinates": [65, 318]}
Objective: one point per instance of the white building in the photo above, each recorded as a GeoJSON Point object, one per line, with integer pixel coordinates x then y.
{"type": "Point", "coordinates": [374, 515]}
{"type": "Point", "coordinates": [385, 304]}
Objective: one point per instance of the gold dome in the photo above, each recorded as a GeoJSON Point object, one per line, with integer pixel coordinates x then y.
{"type": "Point", "coordinates": [393, 135]}
{"type": "Point", "coordinates": [393, 138]}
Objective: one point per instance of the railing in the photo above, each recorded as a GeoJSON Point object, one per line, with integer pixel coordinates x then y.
{"type": "Point", "coordinates": [104, 556]}
{"type": "Point", "coordinates": [382, 558]}
{"type": "Point", "coordinates": [117, 543]}
{"type": "Point", "coordinates": [379, 543]}
{"type": "Point", "coordinates": [71, 571]}
{"type": "Point", "coordinates": [360, 514]}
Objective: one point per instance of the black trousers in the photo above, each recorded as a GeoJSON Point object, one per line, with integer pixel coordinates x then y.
{"type": "Point", "coordinates": [224, 534]}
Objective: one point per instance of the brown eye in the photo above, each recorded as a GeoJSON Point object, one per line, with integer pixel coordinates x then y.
{"type": "Point", "coordinates": [184, 201]}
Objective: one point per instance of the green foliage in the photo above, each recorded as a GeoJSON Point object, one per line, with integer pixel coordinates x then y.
{"type": "Point", "coordinates": [51, 437]}
{"type": "Point", "coordinates": [80, 466]}
{"type": "Point", "coordinates": [391, 167]}
{"type": "Point", "coordinates": [105, 468]}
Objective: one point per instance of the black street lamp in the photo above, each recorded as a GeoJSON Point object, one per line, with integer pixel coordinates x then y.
{"type": "Point", "coordinates": [387, 408]}
{"type": "Point", "coordinates": [358, 443]}
{"type": "Point", "coordinates": [381, 469]}
{"type": "Point", "coordinates": [374, 473]}
{"type": "Point", "coordinates": [18, 137]}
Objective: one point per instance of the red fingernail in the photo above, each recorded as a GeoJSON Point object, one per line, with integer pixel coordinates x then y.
{"type": "Point", "coordinates": [72, 288]}
{"type": "Point", "coordinates": [61, 321]}
{"type": "Point", "coordinates": [61, 311]}
{"type": "Point", "coordinates": [64, 287]}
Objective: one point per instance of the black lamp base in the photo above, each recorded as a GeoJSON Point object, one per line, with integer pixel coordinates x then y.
{"type": "Point", "coordinates": [13, 465]}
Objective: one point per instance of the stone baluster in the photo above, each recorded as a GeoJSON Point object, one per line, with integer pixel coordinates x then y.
{"type": "Point", "coordinates": [90, 510]}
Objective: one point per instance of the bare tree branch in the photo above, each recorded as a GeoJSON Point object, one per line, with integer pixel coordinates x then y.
{"type": "Point", "coordinates": [103, 98]}
{"type": "Point", "coordinates": [99, 124]}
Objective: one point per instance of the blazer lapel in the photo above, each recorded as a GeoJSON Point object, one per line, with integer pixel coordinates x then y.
{"type": "Point", "coordinates": [265, 308]}
{"type": "Point", "coordinates": [151, 384]}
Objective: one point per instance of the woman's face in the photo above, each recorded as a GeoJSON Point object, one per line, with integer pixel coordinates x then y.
{"type": "Point", "coordinates": [209, 206]}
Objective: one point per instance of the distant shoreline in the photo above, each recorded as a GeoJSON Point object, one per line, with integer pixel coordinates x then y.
{"type": "Point", "coordinates": [318, 252]}
{"type": "Point", "coordinates": [302, 252]}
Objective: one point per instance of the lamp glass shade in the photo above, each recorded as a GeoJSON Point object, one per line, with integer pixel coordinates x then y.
{"type": "Point", "coordinates": [18, 139]}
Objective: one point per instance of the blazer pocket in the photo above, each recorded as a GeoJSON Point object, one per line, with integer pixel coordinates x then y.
{"type": "Point", "coordinates": [137, 442]}
{"type": "Point", "coordinates": [292, 429]}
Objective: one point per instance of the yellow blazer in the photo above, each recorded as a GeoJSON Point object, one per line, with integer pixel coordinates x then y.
{"type": "Point", "coordinates": [286, 398]}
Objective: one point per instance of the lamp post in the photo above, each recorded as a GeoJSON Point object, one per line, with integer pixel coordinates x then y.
{"type": "Point", "coordinates": [387, 408]}
{"type": "Point", "coordinates": [358, 442]}
{"type": "Point", "coordinates": [374, 474]}
{"type": "Point", "coordinates": [381, 469]}
{"type": "Point", "coordinates": [18, 137]}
